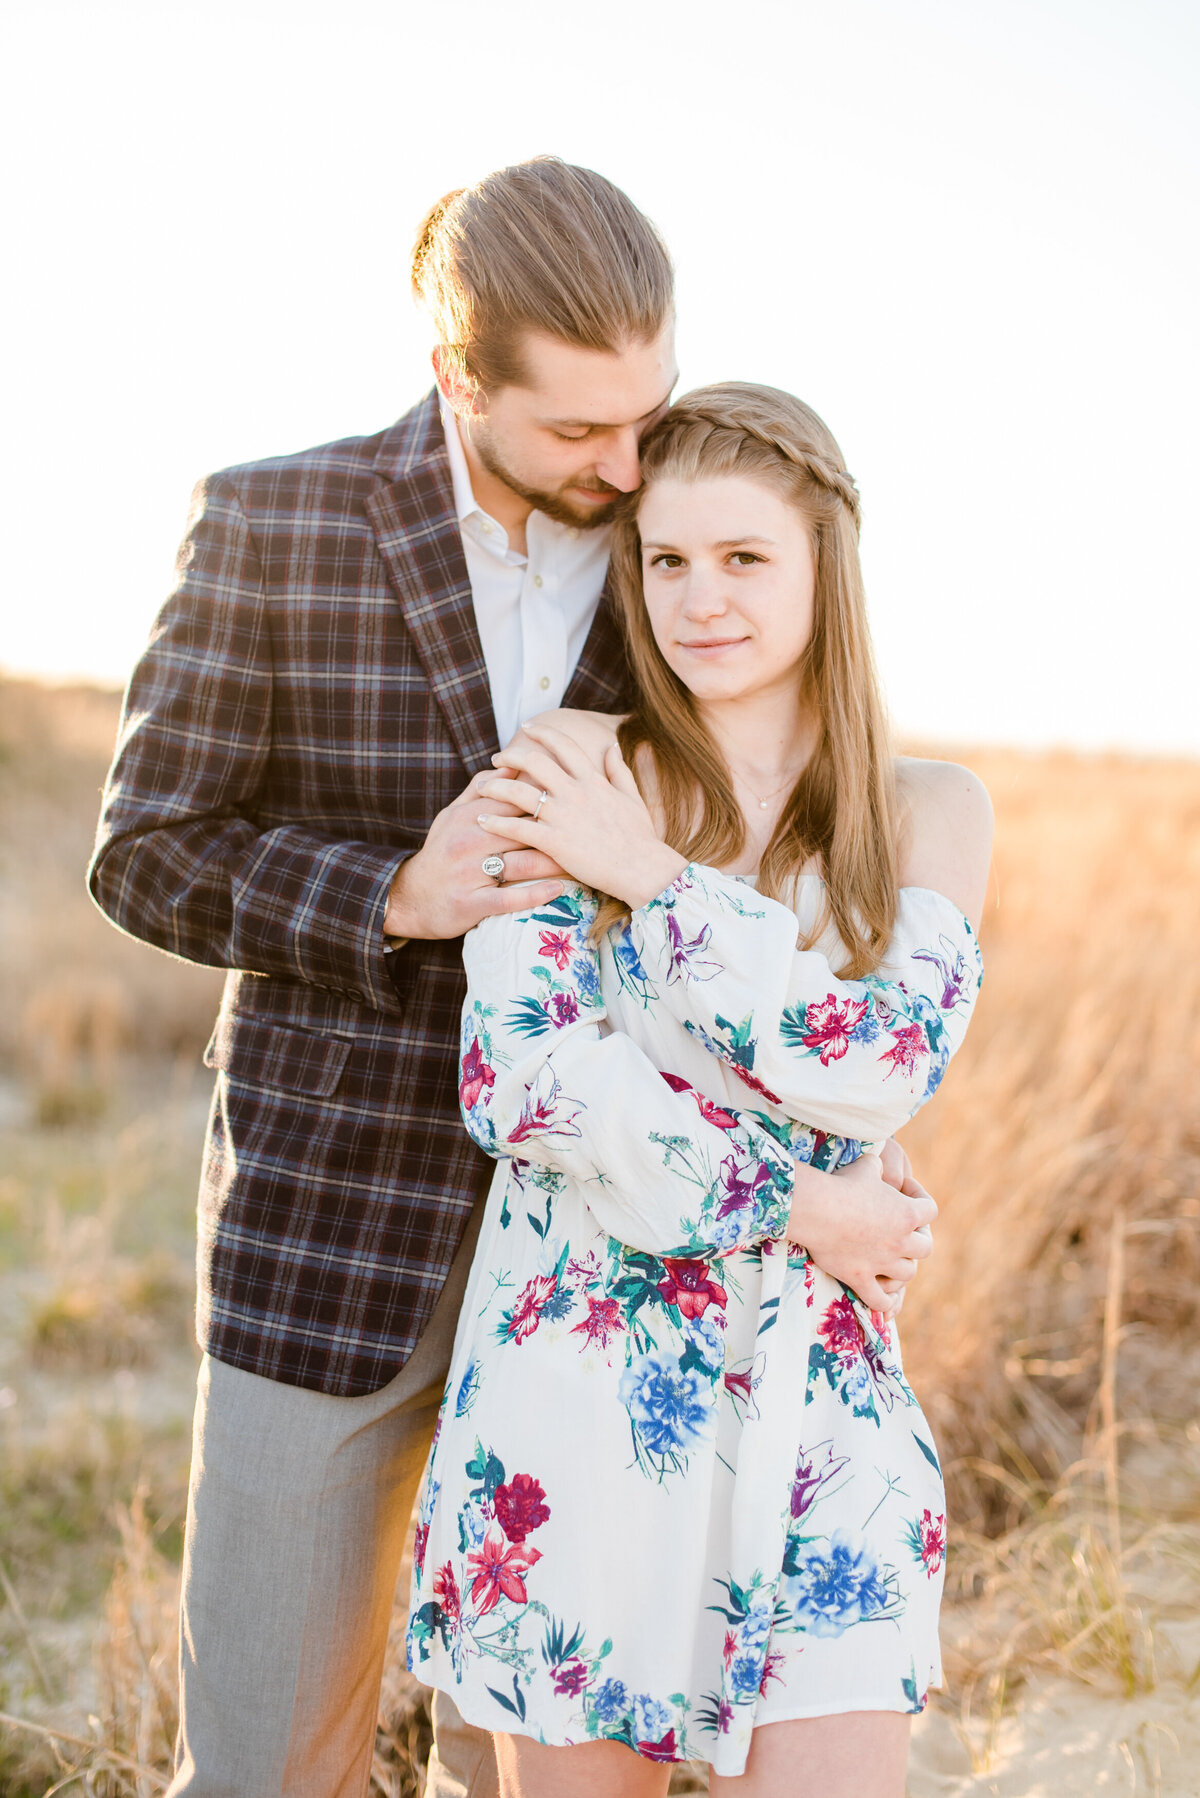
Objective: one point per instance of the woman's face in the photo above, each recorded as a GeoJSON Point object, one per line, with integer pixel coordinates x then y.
{"type": "Point", "coordinates": [727, 570]}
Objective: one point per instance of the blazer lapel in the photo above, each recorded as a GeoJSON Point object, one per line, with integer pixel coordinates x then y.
{"type": "Point", "coordinates": [417, 534]}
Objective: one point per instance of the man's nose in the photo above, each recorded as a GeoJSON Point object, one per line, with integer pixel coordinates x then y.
{"type": "Point", "coordinates": [619, 464]}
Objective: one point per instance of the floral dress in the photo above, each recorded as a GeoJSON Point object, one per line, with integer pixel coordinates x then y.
{"type": "Point", "coordinates": [680, 1486]}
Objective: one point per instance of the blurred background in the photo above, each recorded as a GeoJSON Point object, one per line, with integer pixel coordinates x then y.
{"type": "Point", "coordinates": [967, 236]}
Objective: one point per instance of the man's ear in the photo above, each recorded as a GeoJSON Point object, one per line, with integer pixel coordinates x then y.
{"type": "Point", "coordinates": [455, 384]}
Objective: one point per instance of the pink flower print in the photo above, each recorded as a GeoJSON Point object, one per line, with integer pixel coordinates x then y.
{"type": "Point", "coordinates": [570, 1679]}
{"type": "Point", "coordinates": [730, 1648]}
{"type": "Point", "coordinates": [712, 1114]}
{"type": "Point", "coordinates": [556, 944]}
{"type": "Point", "coordinates": [953, 969]}
{"type": "Point", "coordinates": [741, 1384]}
{"type": "Point", "coordinates": [499, 1572]}
{"type": "Point", "coordinates": [841, 1331]}
{"type": "Point", "coordinates": [474, 1076]}
{"type": "Point", "coordinates": [741, 1190]}
{"type": "Point", "coordinates": [687, 957]}
{"type": "Point", "coordinates": [909, 1043]}
{"type": "Point", "coordinates": [602, 1323]}
{"type": "Point", "coordinates": [775, 1658]}
{"type": "Point", "coordinates": [664, 1750]}
{"type": "Point", "coordinates": [687, 1284]}
{"type": "Point", "coordinates": [931, 1534]}
{"type": "Point", "coordinates": [883, 1328]}
{"type": "Point", "coordinates": [519, 1507]}
{"type": "Point", "coordinates": [564, 1008]}
{"type": "Point", "coordinates": [527, 1312]}
{"type": "Point", "coordinates": [420, 1544]}
{"type": "Point", "coordinates": [830, 1023]}
{"type": "Point", "coordinates": [542, 1115]}
{"type": "Point", "coordinates": [724, 1716]}
{"type": "Point", "coordinates": [815, 1467]}
{"type": "Point", "coordinates": [445, 1590]}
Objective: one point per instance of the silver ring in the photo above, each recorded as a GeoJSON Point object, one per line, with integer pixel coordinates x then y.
{"type": "Point", "coordinates": [493, 867]}
{"type": "Point", "coordinates": [542, 798]}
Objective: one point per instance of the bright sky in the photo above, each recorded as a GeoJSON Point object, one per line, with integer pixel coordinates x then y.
{"type": "Point", "coordinates": [966, 233]}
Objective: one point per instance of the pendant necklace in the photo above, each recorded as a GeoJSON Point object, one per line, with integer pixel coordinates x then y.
{"type": "Point", "coordinates": [775, 792]}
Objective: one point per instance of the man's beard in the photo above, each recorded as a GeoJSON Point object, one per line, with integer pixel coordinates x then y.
{"type": "Point", "coordinates": [554, 505]}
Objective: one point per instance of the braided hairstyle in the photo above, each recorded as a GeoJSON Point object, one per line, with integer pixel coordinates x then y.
{"type": "Point", "coordinates": [841, 813]}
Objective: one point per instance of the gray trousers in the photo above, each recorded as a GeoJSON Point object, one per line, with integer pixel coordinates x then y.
{"type": "Point", "coordinates": [297, 1513]}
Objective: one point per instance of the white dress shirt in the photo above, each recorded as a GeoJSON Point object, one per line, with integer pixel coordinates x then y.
{"type": "Point", "coordinates": [533, 611]}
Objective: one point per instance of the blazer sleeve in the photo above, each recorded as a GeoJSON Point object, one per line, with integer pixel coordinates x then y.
{"type": "Point", "coordinates": [855, 1057]}
{"type": "Point", "coordinates": [545, 1081]}
{"type": "Point", "coordinates": [179, 860]}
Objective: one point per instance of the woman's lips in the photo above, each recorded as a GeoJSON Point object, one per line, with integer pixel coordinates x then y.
{"type": "Point", "coordinates": [713, 646]}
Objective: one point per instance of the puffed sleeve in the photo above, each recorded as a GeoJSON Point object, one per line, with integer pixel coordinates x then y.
{"type": "Point", "coordinates": [855, 1057]}
{"type": "Point", "coordinates": [543, 1079]}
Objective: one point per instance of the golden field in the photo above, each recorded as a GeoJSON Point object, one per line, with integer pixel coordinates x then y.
{"type": "Point", "coordinates": [1052, 1337]}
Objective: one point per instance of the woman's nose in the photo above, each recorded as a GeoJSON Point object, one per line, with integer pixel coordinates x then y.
{"type": "Point", "coordinates": [704, 596]}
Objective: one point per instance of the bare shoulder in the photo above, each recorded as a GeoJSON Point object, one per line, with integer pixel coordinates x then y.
{"type": "Point", "coordinates": [592, 731]}
{"type": "Point", "coordinates": [945, 831]}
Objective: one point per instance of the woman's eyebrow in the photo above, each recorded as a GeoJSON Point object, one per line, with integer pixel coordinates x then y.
{"type": "Point", "coordinates": [721, 543]}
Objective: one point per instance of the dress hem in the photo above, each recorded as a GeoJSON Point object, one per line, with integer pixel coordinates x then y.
{"type": "Point", "coordinates": [804, 1714]}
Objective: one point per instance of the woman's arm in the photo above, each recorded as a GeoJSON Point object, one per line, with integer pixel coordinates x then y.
{"type": "Point", "coordinates": [663, 1168]}
{"type": "Point", "coordinates": [852, 1057]}
{"type": "Point", "coordinates": [544, 1081]}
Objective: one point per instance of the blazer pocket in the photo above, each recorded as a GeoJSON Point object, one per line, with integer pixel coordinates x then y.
{"type": "Point", "coordinates": [260, 1053]}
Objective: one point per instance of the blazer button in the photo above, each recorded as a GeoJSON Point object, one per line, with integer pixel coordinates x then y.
{"type": "Point", "coordinates": [352, 992]}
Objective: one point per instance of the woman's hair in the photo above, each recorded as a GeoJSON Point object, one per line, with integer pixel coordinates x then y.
{"type": "Point", "coordinates": [842, 810]}
{"type": "Point", "coordinates": [541, 246]}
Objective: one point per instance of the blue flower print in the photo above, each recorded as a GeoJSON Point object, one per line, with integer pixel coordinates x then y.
{"type": "Point", "coordinates": [586, 975]}
{"type": "Point", "coordinates": [651, 1720]}
{"type": "Point", "coordinates": [468, 1387]}
{"type": "Point", "coordinates": [707, 1340]}
{"type": "Point", "coordinates": [745, 1675]}
{"type": "Point", "coordinates": [558, 1305]}
{"type": "Point", "coordinates": [838, 1585]}
{"type": "Point", "coordinates": [757, 1625]}
{"type": "Point", "coordinates": [673, 1410]}
{"type": "Point", "coordinates": [611, 1703]}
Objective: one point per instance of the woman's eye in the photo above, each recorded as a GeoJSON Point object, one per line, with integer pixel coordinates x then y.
{"type": "Point", "coordinates": [744, 558]}
{"type": "Point", "coordinates": [572, 436]}
{"type": "Point", "coordinates": [666, 561]}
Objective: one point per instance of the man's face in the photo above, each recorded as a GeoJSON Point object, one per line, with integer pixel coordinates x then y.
{"type": "Point", "coordinates": [566, 440]}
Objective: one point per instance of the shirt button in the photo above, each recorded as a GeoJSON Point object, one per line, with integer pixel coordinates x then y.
{"type": "Point", "coordinates": [487, 530]}
{"type": "Point", "coordinates": [537, 580]}
{"type": "Point", "coordinates": [544, 683]}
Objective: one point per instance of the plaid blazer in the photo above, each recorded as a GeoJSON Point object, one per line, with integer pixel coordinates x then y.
{"type": "Point", "coordinates": [313, 692]}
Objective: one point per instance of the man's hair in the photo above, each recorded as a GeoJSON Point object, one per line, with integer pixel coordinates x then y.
{"type": "Point", "coordinates": [541, 246]}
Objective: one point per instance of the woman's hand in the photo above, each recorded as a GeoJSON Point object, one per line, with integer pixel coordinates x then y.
{"type": "Point", "coordinates": [863, 1230]}
{"type": "Point", "coordinates": [592, 822]}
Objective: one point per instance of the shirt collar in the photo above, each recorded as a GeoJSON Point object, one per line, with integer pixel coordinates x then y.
{"type": "Point", "coordinates": [465, 504]}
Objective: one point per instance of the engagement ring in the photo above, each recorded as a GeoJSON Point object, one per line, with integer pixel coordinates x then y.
{"type": "Point", "coordinates": [542, 798]}
{"type": "Point", "coordinates": [493, 867]}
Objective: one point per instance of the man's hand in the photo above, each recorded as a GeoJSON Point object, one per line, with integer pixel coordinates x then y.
{"type": "Point", "coordinates": [865, 1230]}
{"type": "Point", "coordinates": [442, 891]}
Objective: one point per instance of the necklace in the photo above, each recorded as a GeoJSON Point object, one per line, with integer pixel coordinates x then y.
{"type": "Point", "coordinates": [773, 794]}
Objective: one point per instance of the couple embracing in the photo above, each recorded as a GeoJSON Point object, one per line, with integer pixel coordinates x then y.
{"type": "Point", "coordinates": [571, 688]}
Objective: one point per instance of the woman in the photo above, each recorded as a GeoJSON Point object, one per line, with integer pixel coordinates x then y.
{"type": "Point", "coordinates": [682, 1501]}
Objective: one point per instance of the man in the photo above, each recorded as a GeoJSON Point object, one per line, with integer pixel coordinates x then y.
{"type": "Point", "coordinates": [354, 631]}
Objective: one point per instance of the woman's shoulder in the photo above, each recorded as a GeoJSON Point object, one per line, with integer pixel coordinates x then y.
{"type": "Point", "coordinates": [945, 830]}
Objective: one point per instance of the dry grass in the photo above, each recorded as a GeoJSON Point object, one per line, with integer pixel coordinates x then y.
{"type": "Point", "coordinates": [1052, 1337]}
